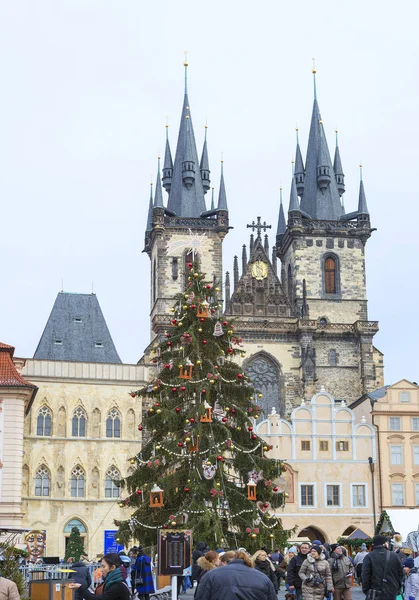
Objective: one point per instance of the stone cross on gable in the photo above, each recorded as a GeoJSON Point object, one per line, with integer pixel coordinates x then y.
{"type": "Point", "coordinates": [258, 226]}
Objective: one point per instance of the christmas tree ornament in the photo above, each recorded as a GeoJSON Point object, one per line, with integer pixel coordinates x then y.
{"type": "Point", "coordinates": [140, 427]}
{"type": "Point", "coordinates": [251, 490]}
{"type": "Point", "coordinates": [218, 330]}
{"type": "Point", "coordinates": [203, 310]}
{"type": "Point", "coordinates": [207, 417]}
{"type": "Point", "coordinates": [156, 497]}
{"type": "Point", "coordinates": [209, 470]}
{"type": "Point", "coordinates": [132, 395]}
{"type": "Point", "coordinates": [200, 330]}
{"type": "Point", "coordinates": [263, 507]}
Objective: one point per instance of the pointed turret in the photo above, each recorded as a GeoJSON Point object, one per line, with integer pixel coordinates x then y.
{"type": "Point", "coordinates": [324, 166]}
{"type": "Point", "coordinates": [222, 197]}
{"type": "Point", "coordinates": [204, 166]}
{"type": "Point", "coordinates": [321, 199]}
{"type": "Point", "coordinates": [299, 169]}
{"type": "Point", "coordinates": [281, 219]}
{"type": "Point", "coordinates": [273, 260]}
{"type": "Point", "coordinates": [212, 199]}
{"type": "Point", "coordinates": [251, 244]}
{"type": "Point", "coordinates": [294, 205]}
{"type": "Point", "coordinates": [186, 196]}
{"type": "Point", "coordinates": [337, 167]}
{"type": "Point", "coordinates": [158, 194]}
{"type": "Point", "coordinates": [150, 210]}
{"type": "Point", "coordinates": [227, 291]}
{"type": "Point", "coordinates": [236, 271]}
{"type": "Point", "coordinates": [362, 203]}
{"type": "Point", "coordinates": [266, 244]}
{"type": "Point", "coordinates": [168, 164]}
{"type": "Point", "coordinates": [244, 259]}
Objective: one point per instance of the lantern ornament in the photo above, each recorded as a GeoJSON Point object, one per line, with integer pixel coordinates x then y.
{"type": "Point", "coordinates": [203, 310]}
{"type": "Point", "coordinates": [251, 490]}
{"type": "Point", "coordinates": [156, 497]}
{"type": "Point", "coordinates": [186, 370]}
{"type": "Point", "coordinates": [207, 418]}
{"type": "Point", "coordinates": [192, 446]}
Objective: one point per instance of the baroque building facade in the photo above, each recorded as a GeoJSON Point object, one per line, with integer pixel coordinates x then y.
{"type": "Point", "coordinates": [81, 430]}
{"type": "Point", "coordinates": [299, 308]}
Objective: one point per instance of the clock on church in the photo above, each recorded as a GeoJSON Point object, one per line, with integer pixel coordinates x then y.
{"type": "Point", "coordinates": [259, 270]}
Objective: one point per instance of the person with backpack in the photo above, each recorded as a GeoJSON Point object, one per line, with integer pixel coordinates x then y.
{"type": "Point", "coordinates": [381, 571]}
{"type": "Point", "coordinates": [113, 587]}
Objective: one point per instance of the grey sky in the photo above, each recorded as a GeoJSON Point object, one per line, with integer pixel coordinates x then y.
{"type": "Point", "coordinates": [85, 89]}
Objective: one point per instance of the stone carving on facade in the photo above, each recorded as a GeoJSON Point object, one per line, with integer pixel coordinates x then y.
{"type": "Point", "coordinates": [25, 480]}
{"type": "Point", "coordinates": [96, 423]}
{"type": "Point", "coordinates": [60, 482]}
{"type": "Point", "coordinates": [95, 478]}
{"type": "Point", "coordinates": [131, 424]}
{"type": "Point", "coordinates": [61, 422]}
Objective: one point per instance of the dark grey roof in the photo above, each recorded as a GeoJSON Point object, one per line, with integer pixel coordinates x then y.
{"type": "Point", "coordinates": [222, 197]}
{"type": "Point", "coordinates": [158, 195]}
{"type": "Point", "coordinates": [212, 199]}
{"type": "Point", "coordinates": [362, 203]}
{"type": "Point", "coordinates": [315, 202]}
{"type": "Point", "coordinates": [281, 219]}
{"type": "Point", "coordinates": [337, 163]}
{"type": "Point", "coordinates": [168, 162]}
{"type": "Point", "coordinates": [204, 165]}
{"type": "Point", "coordinates": [76, 330]}
{"type": "Point", "coordinates": [294, 204]}
{"type": "Point", "coordinates": [150, 210]}
{"type": "Point", "coordinates": [299, 165]}
{"type": "Point", "coordinates": [184, 201]}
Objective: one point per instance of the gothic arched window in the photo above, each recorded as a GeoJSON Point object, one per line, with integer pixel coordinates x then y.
{"type": "Point", "coordinates": [111, 479]}
{"type": "Point", "coordinates": [333, 360]}
{"type": "Point", "coordinates": [44, 421]}
{"type": "Point", "coordinates": [330, 275]}
{"type": "Point", "coordinates": [78, 482]}
{"type": "Point", "coordinates": [113, 424]}
{"type": "Point", "coordinates": [42, 481]}
{"type": "Point", "coordinates": [266, 377]}
{"type": "Point", "coordinates": [78, 424]}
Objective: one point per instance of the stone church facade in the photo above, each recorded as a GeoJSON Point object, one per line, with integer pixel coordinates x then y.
{"type": "Point", "coordinates": [299, 307]}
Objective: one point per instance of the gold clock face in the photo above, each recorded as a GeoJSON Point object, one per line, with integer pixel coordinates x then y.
{"type": "Point", "coordinates": [259, 270]}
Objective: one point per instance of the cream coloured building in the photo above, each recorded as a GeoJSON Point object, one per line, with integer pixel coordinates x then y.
{"type": "Point", "coordinates": [328, 477]}
{"type": "Point", "coordinates": [82, 429]}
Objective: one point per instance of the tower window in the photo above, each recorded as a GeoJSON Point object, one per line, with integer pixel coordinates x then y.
{"type": "Point", "coordinates": [175, 268]}
{"type": "Point", "coordinates": [330, 275]}
{"type": "Point", "coordinates": [333, 360]}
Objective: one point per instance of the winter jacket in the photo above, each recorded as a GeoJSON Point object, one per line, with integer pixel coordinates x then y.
{"type": "Point", "coordinates": [235, 581]}
{"type": "Point", "coordinates": [411, 585]}
{"type": "Point", "coordinates": [341, 567]}
{"type": "Point", "coordinates": [117, 591]}
{"type": "Point", "coordinates": [294, 566]}
{"type": "Point", "coordinates": [310, 570]}
{"type": "Point", "coordinates": [359, 558]}
{"type": "Point", "coordinates": [276, 557]}
{"type": "Point", "coordinates": [265, 566]}
{"type": "Point", "coordinates": [8, 590]}
{"type": "Point", "coordinates": [197, 553]}
{"type": "Point", "coordinates": [142, 569]}
{"type": "Point", "coordinates": [82, 575]}
{"type": "Point", "coordinates": [373, 569]}
{"type": "Point", "coordinates": [204, 566]}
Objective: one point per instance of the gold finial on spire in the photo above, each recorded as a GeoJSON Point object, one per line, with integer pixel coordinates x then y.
{"type": "Point", "coordinates": [314, 71]}
{"type": "Point", "coordinates": [222, 157]}
{"type": "Point", "coordinates": [167, 121]}
{"type": "Point", "coordinates": [185, 64]}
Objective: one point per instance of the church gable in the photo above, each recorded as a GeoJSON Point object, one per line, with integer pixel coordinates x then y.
{"type": "Point", "coordinates": [259, 292]}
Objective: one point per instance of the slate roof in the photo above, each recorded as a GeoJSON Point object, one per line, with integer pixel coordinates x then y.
{"type": "Point", "coordinates": [77, 331]}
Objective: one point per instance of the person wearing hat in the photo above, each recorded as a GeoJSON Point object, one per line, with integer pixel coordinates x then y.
{"type": "Point", "coordinates": [411, 581]}
{"type": "Point", "coordinates": [342, 571]}
{"type": "Point", "coordinates": [377, 563]}
{"type": "Point", "coordinates": [358, 560]}
{"type": "Point", "coordinates": [114, 587]}
{"type": "Point", "coordinates": [315, 575]}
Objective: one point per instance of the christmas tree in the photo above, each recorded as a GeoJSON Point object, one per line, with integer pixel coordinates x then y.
{"type": "Point", "coordinates": [75, 545]}
{"type": "Point", "coordinates": [202, 466]}
{"type": "Point", "coordinates": [9, 568]}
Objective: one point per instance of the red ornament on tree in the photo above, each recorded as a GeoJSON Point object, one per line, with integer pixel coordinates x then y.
{"type": "Point", "coordinates": [191, 420]}
{"type": "Point", "coordinates": [139, 492]}
{"type": "Point", "coordinates": [250, 428]}
{"type": "Point", "coordinates": [132, 395]}
{"type": "Point", "coordinates": [182, 388]}
{"type": "Point", "coordinates": [174, 389]}
{"type": "Point", "coordinates": [167, 366]}
{"type": "Point", "coordinates": [230, 350]}
{"type": "Point", "coordinates": [225, 323]}
{"type": "Point", "coordinates": [180, 444]}
{"type": "Point", "coordinates": [177, 409]}
{"type": "Point", "coordinates": [254, 437]}
{"type": "Point", "coordinates": [186, 490]}
{"type": "Point", "coordinates": [224, 420]}
{"type": "Point", "coordinates": [190, 265]}
{"type": "Point", "coordinates": [169, 344]}
{"type": "Point", "coordinates": [204, 342]}
{"type": "Point", "coordinates": [240, 375]}
{"type": "Point", "coordinates": [140, 427]}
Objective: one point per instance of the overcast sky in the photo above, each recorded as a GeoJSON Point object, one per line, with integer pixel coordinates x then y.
{"type": "Point", "coordinates": [86, 86]}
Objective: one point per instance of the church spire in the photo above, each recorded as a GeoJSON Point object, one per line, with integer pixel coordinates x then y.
{"type": "Point", "coordinates": [212, 199]}
{"type": "Point", "coordinates": [299, 169]}
{"type": "Point", "coordinates": [186, 195]}
{"type": "Point", "coordinates": [168, 164]}
{"type": "Point", "coordinates": [362, 203]}
{"type": "Point", "coordinates": [294, 205]}
{"type": "Point", "coordinates": [158, 195]}
{"type": "Point", "coordinates": [222, 197]}
{"type": "Point", "coordinates": [204, 166]}
{"type": "Point", "coordinates": [281, 219]}
{"type": "Point", "coordinates": [321, 198]}
{"type": "Point", "coordinates": [150, 210]}
{"type": "Point", "coordinates": [337, 167]}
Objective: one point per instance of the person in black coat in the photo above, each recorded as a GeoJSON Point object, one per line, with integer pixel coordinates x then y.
{"type": "Point", "coordinates": [199, 551]}
{"type": "Point", "coordinates": [236, 581]}
{"type": "Point", "coordinates": [264, 565]}
{"type": "Point", "coordinates": [82, 576]}
{"type": "Point", "coordinates": [293, 580]}
{"type": "Point", "coordinates": [373, 570]}
{"type": "Point", "coordinates": [114, 586]}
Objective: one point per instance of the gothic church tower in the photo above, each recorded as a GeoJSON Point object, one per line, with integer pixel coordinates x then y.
{"type": "Point", "coordinates": [184, 230]}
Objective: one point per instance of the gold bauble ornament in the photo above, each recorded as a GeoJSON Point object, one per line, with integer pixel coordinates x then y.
{"type": "Point", "coordinates": [158, 411]}
{"type": "Point", "coordinates": [243, 354]}
{"type": "Point", "coordinates": [132, 461]}
{"type": "Point", "coordinates": [260, 395]}
{"type": "Point", "coordinates": [180, 348]}
{"type": "Point", "coordinates": [218, 484]}
{"type": "Point", "coordinates": [239, 428]}
{"type": "Point", "coordinates": [220, 306]}
{"type": "Point", "coordinates": [227, 408]}
{"type": "Point", "coordinates": [217, 289]}
{"type": "Point", "coordinates": [198, 362]}
{"type": "Point", "coordinates": [212, 381]}
{"type": "Point", "coordinates": [180, 324]}
{"type": "Point", "coordinates": [189, 481]}
{"type": "Point", "coordinates": [232, 446]}
{"type": "Point", "coordinates": [187, 421]}
{"type": "Point", "coordinates": [189, 278]}
{"type": "Point", "coordinates": [286, 494]}
{"type": "Point", "coordinates": [271, 536]}
{"type": "Point", "coordinates": [172, 310]}
{"type": "Point", "coordinates": [188, 439]}
{"type": "Point", "coordinates": [200, 330]}
{"type": "Point", "coordinates": [155, 388]}
{"type": "Point", "coordinates": [196, 275]}
{"type": "Point", "coordinates": [208, 463]}
{"type": "Point", "coordinates": [230, 332]}
{"type": "Point", "coordinates": [158, 447]}
{"type": "Point", "coordinates": [253, 535]}
{"type": "Point", "coordinates": [173, 523]}
{"type": "Point", "coordinates": [151, 410]}
{"type": "Point", "coordinates": [185, 306]}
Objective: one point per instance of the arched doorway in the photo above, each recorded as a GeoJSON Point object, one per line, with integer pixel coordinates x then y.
{"type": "Point", "coordinates": [312, 533]}
{"type": "Point", "coordinates": [80, 526]}
{"type": "Point", "coordinates": [348, 531]}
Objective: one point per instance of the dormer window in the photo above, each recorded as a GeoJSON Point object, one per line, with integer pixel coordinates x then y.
{"type": "Point", "coordinates": [77, 320]}
{"type": "Point", "coordinates": [58, 342]}
{"type": "Point", "coordinates": [98, 344]}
